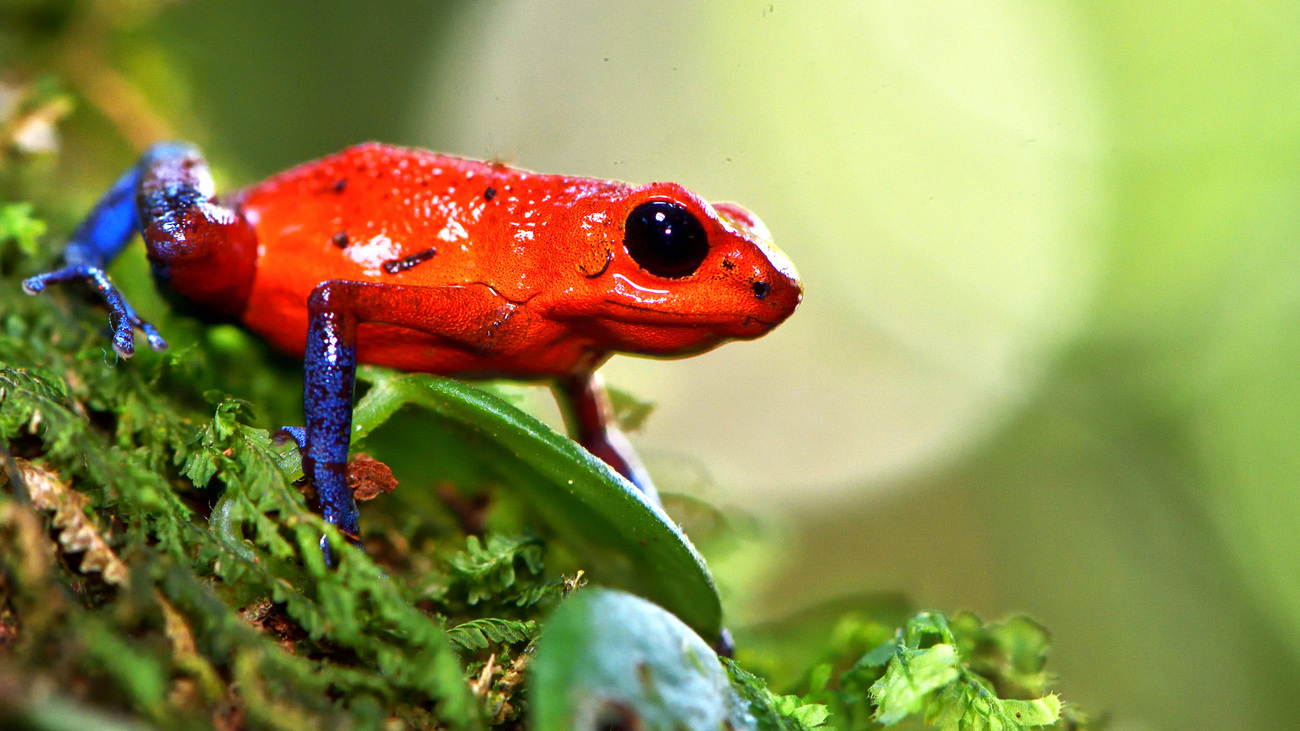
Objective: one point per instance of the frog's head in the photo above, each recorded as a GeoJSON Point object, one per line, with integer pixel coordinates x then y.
{"type": "Point", "coordinates": [670, 274]}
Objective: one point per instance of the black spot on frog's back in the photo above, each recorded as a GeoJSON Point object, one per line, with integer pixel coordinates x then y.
{"type": "Point", "coordinates": [396, 266]}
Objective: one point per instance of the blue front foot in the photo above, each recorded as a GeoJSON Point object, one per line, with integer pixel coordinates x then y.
{"type": "Point", "coordinates": [121, 316]}
{"type": "Point", "coordinates": [93, 246]}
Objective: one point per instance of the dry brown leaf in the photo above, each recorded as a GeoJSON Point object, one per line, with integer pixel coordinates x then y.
{"type": "Point", "coordinates": [368, 477]}
{"type": "Point", "coordinates": [77, 532]}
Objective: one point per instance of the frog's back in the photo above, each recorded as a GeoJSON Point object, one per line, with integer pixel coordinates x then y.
{"type": "Point", "coordinates": [351, 215]}
{"type": "Point", "coordinates": [396, 216]}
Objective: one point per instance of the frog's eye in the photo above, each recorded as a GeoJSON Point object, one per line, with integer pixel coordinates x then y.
{"type": "Point", "coordinates": [665, 239]}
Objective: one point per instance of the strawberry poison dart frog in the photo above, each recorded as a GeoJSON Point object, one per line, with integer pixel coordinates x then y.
{"type": "Point", "coordinates": [426, 262]}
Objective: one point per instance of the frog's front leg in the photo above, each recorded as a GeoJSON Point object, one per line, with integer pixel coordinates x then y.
{"type": "Point", "coordinates": [590, 419]}
{"type": "Point", "coordinates": [97, 241]}
{"type": "Point", "coordinates": [203, 250]}
{"type": "Point", "coordinates": [331, 367]}
{"type": "Point", "coordinates": [335, 309]}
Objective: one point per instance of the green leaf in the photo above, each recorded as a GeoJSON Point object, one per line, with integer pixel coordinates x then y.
{"type": "Point", "coordinates": [610, 659]}
{"type": "Point", "coordinates": [971, 707]}
{"type": "Point", "coordinates": [1015, 651]}
{"type": "Point", "coordinates": [625, 541]}
{"type": "Point", "coordinates": [946, 682]}
{"type": "Point", "coordinates": [18, 225]}
{"type": "Point", "coordinates": [836, 632]}
{"type": "Point", "coordinates": [910, 678]}
{"type": "Point", "coordinates": [476, 634]}
{"type": "Point", "coordinates": [1038, 712]}
{"type": "Point", "coordinates": [133, 668]}
{"type": "Point", "coordinates": [489, 570]}
{"type": "Point", "coordinates": [771, 712]}
{"type": "Point", "coordinates": [810, 715]}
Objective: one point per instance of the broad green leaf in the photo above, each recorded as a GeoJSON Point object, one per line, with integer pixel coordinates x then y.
{"type": "Point", "coordinates": [627, 542]}
{"type": "Point", "coordinates": [607, 659]}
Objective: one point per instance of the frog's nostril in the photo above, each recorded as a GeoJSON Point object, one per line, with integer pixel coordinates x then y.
{"type": "Point", "coordinates": [762, 289]}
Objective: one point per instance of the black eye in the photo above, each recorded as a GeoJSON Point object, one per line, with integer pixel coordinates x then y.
{"type": "Point", "coordinates": [665, 239]}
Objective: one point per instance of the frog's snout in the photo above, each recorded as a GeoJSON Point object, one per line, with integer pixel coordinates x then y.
{"type": "Point", "coordinates": [777, 290]}
{"type": "Point", "coordinates": [774, 283]}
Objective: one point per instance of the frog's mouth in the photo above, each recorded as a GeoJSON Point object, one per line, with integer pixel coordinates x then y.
{"type": "Point", "coordinates": [645, 315]}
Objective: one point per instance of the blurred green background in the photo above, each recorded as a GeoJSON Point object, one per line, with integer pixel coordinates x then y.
{"type": "Point", "coordinates": [1049, 355]}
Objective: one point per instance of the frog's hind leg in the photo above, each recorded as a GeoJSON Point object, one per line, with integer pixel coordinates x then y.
{"type": "Point", "coordinates": [589, 416]}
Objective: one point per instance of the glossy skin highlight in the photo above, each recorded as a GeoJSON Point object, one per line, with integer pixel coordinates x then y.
{"type": "Point", "coordinates": [432, 263]}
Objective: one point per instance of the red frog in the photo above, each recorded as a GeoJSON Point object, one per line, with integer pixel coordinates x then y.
{"type": "Point", "coordinates": [439, 264]}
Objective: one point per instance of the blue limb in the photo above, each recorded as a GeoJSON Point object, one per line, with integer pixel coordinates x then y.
{"type": "Point", "coordinates": [336, 509]}
{"type": "Point", "coordinates": [121, 316]}
{"type": "Point", "coordinates": [97, 241]}
{"type": "Point", "coordinates": [590, 419]}
{"type": "Point", "coordinates": [335, 309]}
{"type": "Point", "coordinates": [297, 433]}
{"type": "Point", "coordinates": [331, 364]}
{"type": "Point", "coordinates": [109, 226]}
